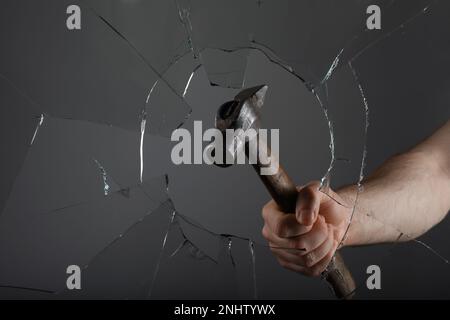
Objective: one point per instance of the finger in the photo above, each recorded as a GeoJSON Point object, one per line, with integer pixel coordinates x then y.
{"type": "Point", "coordinates": [320, 267]}
{"type": "Point", "coordinates": [313, 239]}
{"type": "Point", "coordinates": [306, 242]}
{"type": "Point", "coordinates": [293, 266]}
{"type": "Point", "coordinates": [287, 255]}
{"type": "Point", "coordinates": [278, 242]}
{"type": "Point", "coordinates": [282, 224]}
{"type": "Point", "coordinates": [287, 262]}
{"type": "Point", "coordinates": [308, 204]}
{"type": "Point", "coordinates": [315, 256]}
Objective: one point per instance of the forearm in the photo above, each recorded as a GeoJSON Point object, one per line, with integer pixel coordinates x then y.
{"type": "Point", "coordinates": [405, 197]}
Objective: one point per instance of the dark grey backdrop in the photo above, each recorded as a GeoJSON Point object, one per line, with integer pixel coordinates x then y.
{"type": "Point", "coordinates": [91, 87]}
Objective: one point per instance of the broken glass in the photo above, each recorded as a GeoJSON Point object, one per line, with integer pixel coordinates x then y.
{"type": "Point", "coordinates": [88, 180]}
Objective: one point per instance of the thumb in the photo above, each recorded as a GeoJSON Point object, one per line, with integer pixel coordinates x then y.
{"type": "Point", "coordinates": [308, 204]}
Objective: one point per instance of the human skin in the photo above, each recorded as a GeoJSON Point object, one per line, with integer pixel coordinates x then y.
{"type": "Point", "coordinates": [401, 200]}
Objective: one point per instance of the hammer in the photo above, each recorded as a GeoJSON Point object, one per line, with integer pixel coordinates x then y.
{"type": "Point", "coordinates": [243, 113]}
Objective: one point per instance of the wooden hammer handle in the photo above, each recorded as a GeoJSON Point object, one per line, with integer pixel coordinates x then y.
{"type": "Point", "coordinates": [284, 192]}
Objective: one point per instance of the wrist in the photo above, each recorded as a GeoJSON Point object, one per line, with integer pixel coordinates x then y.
{"type": "Point", "coordinates": [351, 229]}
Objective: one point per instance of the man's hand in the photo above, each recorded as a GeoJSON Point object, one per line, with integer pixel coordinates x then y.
{"type": "Point", "coordinates": [305, 241]}
{"type": "Point", "coordinates": [402, 199]}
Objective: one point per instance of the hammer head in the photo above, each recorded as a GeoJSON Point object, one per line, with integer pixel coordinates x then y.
{"type": "Point", "coordinates": [243, 111]}
{"type": "Point", "coordinates": [240, 113]}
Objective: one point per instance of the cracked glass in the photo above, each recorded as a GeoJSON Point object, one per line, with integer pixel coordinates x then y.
{"type": "Point", "coordinates": [87, 116]}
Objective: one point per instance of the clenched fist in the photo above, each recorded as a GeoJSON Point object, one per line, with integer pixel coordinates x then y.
{"type": "Point", "coordinates": [305, 241]}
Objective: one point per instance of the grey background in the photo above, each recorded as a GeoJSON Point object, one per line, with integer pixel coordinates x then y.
{"type": "Point", "coordinates": [85, 80]}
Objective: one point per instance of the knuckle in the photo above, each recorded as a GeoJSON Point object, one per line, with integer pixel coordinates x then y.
{"type": "Point", "coordinates": [265, 232]}
{"type": "Point", "coordinates": [311, 189]}
{"type": "Point", "coordinates": [310, 259]}
{"type": "Point", "coordinates": [279, 228]}
{"type": "Point", "coordinates": [334, 246]}
{"type": "Point", "coordinates": [299, 244]}
{"type": "Point", "coordinates": [322, 225]}
{"type": "Point", "coordinates": [274, 248]}
{"type": "Point", "coordinates": [282, 263]}
{"type": "Point", "coordinates": [315, 184]}
{"type": "Point", "coordinates": [265, 211]}
{"type": "Point", "coordinates": [305, 193]}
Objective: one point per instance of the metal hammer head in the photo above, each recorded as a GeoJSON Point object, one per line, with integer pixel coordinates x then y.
{"type": "Point", "coordinates": [243, 111]}
{"type": "Point", "coordinates": [240, 113]}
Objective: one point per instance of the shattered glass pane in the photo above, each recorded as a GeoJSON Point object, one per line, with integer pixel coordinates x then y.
{"type": "Point", "coordinates": [87, 177]}
{"type": "Point", "coordinates": [83, 69]}
{"type": "Point", "coordinates": [208, 264]}
{"type": "Point", "coordinates": [50, 241]}
{"type": "Point", "coordinates": [122, 269]}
